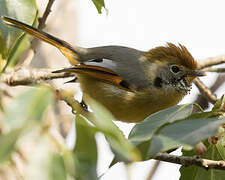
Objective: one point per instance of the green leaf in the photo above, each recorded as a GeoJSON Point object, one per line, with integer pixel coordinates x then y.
{"type": "Point", "coordinates": [57, 168]}
{"type": "Point", "coordinates": [7, 144]}
{"type": "Point", "coordinates": [221, 147]}
{"type": "Point", "coordinates": [198, 173]}
{"type": "Point", "coordinates": [145, 130]}
{"type": "Point", "coordinates": [85, 150]}
{"type": "Point", "coordinates": [99, 4]}
{"type": "Point", "coordinates": [219, 104]}
{"type": "Point", "coordinates": [22, 10]}
{"type": "Point", "coordinates": [28, 107]}
{"type": "Point", "coordinates": [22, 44]}
{"type": "Point", "coordinates": [186, 133]}
{"type": "Point", "coordinates": [120, 146]}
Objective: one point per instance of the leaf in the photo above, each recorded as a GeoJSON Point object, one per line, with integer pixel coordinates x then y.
{"type": "Point", "coordinates": [120, 146]}
{"type": "Point", "coordinates": [221, 147]}
{"type": "Point", "coordinates": [57, 169]}
{"type": "Point", "coordinates": [145, 130]}
{"type": "Point", "coordinates": [20, 46]}
{"type": "Point", "coordinates": [85, 150]}
{"type": "Point", "coordinates": [186, 133]}
{"type": "Point", "coordinates": [198, 173]}
{"type": "Point", "coordinates": [7, 144]}
{"type": "Point", "coordinates": [219, 104]}
{"type": "Point", "coordinates": [99, 4]}
{"type": "Point", "coordinates": [28, 107]}
{"type": "Point", "coordinates": [22, 10]}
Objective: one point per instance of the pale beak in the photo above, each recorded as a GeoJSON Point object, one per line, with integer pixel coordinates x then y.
{"type": "Point", "coordinates": [196, 73]}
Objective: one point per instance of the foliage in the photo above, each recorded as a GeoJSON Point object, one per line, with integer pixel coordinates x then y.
{"type": "Point", "coordinates": [193, 172]}
{"type": "Point", "coordinates": [27, 119]}
{"type": "Point", "coordinates": [12, 44]}
{"type": "Point", "coordinates": [99, 4]}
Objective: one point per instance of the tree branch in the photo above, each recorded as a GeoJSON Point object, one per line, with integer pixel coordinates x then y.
{"type": "Point", "coordinates": [153, 170]}
{"type": "Point", "coordinates": [218, 70]}
{"type": "Point", "coordinates": [211, 61]}
{"type": "Point", "coordinates": [205, 91]}
{"type": "Point", "coordinates": [30, 76]}
{"type": "Point", "coordinates": [201, 100]}
{"type": "Point", "coordinates": [189, 161]}
{"type": "Point", "coordinates": [43, 19]}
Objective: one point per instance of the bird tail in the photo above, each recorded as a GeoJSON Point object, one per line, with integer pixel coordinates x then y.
{"type": "Point", "coordinates": [67, 50]}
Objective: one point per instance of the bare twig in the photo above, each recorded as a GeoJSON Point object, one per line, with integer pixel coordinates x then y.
{"type": "Point", "coordinates": [30, 76]}
{"type": "Point", "coordinates": [205, 91]}
{"type": "Point", "coordinates": [153, 170]}
{"type": "Point", "coordinates": [188, 161]}
{"type": "Point", "coordinates": [45, 15]}
{"type": "Point", "coordinates": [211, 61]}
{"type": "Point", "coordinates": [201, 100]}
{"type": "Point", "coordinates": [218, 70]}
{"type": "Point", "coordinates": [34, 43]}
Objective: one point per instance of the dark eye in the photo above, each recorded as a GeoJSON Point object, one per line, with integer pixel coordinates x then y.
{"type": "Point", "coordinates": [175, 69]}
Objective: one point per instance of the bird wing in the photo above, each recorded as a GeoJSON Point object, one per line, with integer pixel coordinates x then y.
{"type": "Point", "coordinates": [98, 70]}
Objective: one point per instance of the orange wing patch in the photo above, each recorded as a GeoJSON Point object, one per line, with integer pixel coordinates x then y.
{"type": "Point", "coordinates": [100, 73]}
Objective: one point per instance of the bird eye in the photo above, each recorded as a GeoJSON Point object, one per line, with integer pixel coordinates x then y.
{"type": "Point", "coordinates": [175, 69]}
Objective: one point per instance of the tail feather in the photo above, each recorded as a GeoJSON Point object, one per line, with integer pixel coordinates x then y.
{"type": "Point", "coordinates": [67, 50]}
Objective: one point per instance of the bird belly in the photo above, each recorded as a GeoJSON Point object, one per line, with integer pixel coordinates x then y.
{"type": "Point", "coordinates": [124, 105]}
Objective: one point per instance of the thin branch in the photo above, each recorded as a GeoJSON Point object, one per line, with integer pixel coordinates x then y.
{"type": "Point", "coordinates": [68, 97]}
{"type": "Point", "coordinates": [43, 19]}
{"type": "Point", "coordinates": [211, 61]}
{"type": "Point", "coordinates": [30, 76]}
{"type": "Point", "coordinates": [34, 43]}
{"type": "Point", "coordinates": [217, 70]}
{"type": "Point", "coordinates": [153, 170]}
{"type": "Point", "coordinates": [205, 91]}
{"type": "Point", "coordinates": [189, 161]}
{"type": "Point", "coordinates": [201, 100]}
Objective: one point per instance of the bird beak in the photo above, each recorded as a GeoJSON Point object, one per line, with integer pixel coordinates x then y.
{"type": "Point", "coordinates": [196, 73]}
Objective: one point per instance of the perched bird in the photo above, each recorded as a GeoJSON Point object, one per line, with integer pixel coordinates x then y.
{"type": "Point", "coordinates": [130, 83]}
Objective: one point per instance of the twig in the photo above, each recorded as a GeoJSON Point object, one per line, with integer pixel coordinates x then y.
{"type": "Point", "coordinates": [218, 70]}
{"type": "Point", "coordinates": [153, 170]}
{"type": "Point", "coordinates": [30, 76]}
{"type": "Point", "coordinates": [211, 61]}
{"type": "Point", "coordinates": [34, 43]}
{"type": "Point", "coordinates": [68, 97]}
{"type": "Point", "coordinates": [201, 100]}
{"type": "Point", "coordinates": [45, 15]}
{"type": "Point", "coordinates": [205, 91]}
{"type": "Point", "coordinates": [188, 161]}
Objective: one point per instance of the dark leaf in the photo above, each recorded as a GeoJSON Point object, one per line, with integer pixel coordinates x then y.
{"type": "Point", "coordinates": [145, 130]}
{"type": "Point", "coordinates": [186, 133]}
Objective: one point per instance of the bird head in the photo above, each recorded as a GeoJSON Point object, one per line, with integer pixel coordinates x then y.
{"type": "Point", "coordinates": [172, 67]}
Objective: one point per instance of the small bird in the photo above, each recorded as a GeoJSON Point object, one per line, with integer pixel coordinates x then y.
{"type": "Point", "coordinates": [130, 83]}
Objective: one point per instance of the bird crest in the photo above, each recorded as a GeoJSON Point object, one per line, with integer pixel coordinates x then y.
{"type": "Point", "coordinates": [174, 54]}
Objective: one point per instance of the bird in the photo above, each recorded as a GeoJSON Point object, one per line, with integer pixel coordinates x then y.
{"type": "Point", "coordinates": [132, 84]}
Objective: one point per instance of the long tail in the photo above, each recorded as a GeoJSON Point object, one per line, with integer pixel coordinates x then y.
{"type": "Point", "coordinates": [67, 50]}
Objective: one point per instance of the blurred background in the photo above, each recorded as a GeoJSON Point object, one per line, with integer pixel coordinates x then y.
{"type": "Point", "coordinates": [199, 25]}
